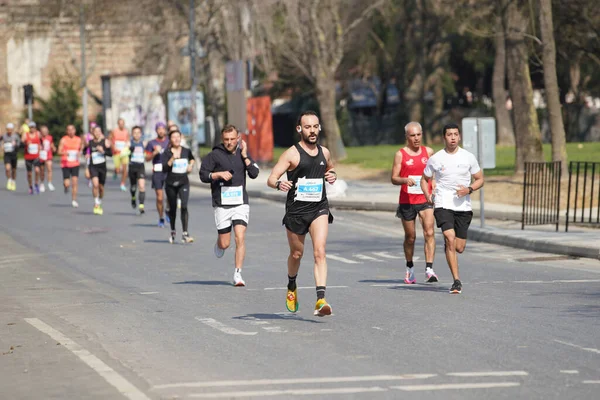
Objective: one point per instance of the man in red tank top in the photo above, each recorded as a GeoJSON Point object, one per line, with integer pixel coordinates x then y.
{"type": "Point", "coordinates": [69, 150]}
{"type": "Point", "coordinates": [409, 163]}
{"type": "Point", "coordinates": [33, 143]}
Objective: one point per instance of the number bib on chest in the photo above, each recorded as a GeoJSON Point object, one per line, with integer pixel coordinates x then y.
{"type": "Point", "coordinates": [9, 147]}
{"type": "Point", "coordinates": [72, 155]}
{"type": "Point", "coordinates": [417, 188]}
{"type": "Point", "coordinates": [119, 145]}
{"type": "Point", "coordinates": [33, 148]}
{"type": "Point", "coordinates": [309, 190]}
{"type": "Point", "coordinates": [43, 155]}
{"type": "Point", "coordinates": [232, 195]}
{"type": "Point", "coordinates": [98, 158]}
{"type": "Point", "coordinates": [180, 166]}
{"type": "Point", "coordinates": [157, 167]}
{"type": "Point", "coordinates": [138, 155]}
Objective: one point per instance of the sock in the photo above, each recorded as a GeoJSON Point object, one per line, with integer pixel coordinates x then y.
{"type": "Point", "coordinates": [97, 201]}
{"type": "Point", "coordinates": [428, 265]}
{"type": "Point", "coordinates": [292, 282]}
{"type": "Point", "coordinates": [142, 197]}
{"type": "Point", "coordinates": [410, 264]}
{"type": "Point", "coordinates": [132, 190]}
{"type": "Point", "coordinates": [320, 292]}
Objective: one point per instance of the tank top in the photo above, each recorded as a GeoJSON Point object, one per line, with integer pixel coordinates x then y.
{"type": "Point", "coordinates": [97, 158]}
{"type": "Point", "coordinates": [119, 141]}
{"type": "Point", "coordinates": [137, 155]}
{"type": "Point", "coordinates": [71, 149]}
{"type": "Point", "coordinates": [46, 151]}
{"type": "Point", "coordinates": [308, 191]}
{"type": "Point", "coordinates": [413, 166]}
{"type": "Point", "coordinates": [32, 146]}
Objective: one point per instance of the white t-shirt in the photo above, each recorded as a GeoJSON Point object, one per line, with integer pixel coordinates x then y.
{"type": "Point", "coordinates": [451, 171]}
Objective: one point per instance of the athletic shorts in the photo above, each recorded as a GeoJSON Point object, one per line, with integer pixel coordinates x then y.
{"type": "Point", "coordinates": [121, 159]}
{"type": "Point", "coordinates": [70, 172]}
{"type": "Point", "coordinates": [226, 217]}
{"type": "Point", "coordinates": [409, 212]}
{"type": "Point", "coordinates": [10, 158]}
{"type": "Point", "coordinates": [450, 219]}
{"type": "Point", "coordinates": [299, 224]}
{"type": "Point", "coordinates": [31, 164]}
{"type": "Point", "coordinates": [136, 172]}
{"type": "Point", "coordinates": [98, 172]}
{"type": "Point", "coordinates": [158, 180]}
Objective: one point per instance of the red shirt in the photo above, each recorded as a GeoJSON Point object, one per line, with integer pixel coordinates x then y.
{"type": "Point", "coordinates": [71, 150]}
{"type": "Point", "coordinates": [46, 153]}
{"type": "Point", "coordinates": [413, 166]}
{"type": "Point", "coordinates": [32, 146]}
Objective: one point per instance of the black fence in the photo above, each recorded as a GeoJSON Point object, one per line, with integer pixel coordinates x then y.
{"type": "Point", "coordinates": [584, 179]}
{"type": "Point", "coordinates": [541, 194]}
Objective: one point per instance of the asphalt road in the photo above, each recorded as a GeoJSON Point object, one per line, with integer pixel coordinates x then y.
{"type": "Point", "coordinates": [103, 307]}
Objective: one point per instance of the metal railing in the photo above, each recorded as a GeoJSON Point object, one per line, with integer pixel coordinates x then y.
{"type": "Point", "coordinates": [584, 175]}
{"type": "Point", "coordinates": [541, 194]}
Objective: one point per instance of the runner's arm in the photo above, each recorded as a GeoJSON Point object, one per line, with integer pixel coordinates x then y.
{"type": "Point", "coordinates": [330, 174]}
{"type": "Point", "coordinates": [425, 179]}
{"type": "Point", "coordinates": [60, 148]}
{"type": "Point", "coordinates": [282, 166]}
{"type": "Point", "coordinates": [207, 169]}
{"type": "Point", "coordinates": [396, 168]}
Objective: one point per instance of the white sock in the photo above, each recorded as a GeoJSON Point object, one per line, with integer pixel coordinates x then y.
{"type": "Point", "coordinates": [97, 201]}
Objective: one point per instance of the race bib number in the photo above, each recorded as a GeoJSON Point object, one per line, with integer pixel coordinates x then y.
{"type": "Point", "coordinates": [46, 145]}
{"type": "Point", "coordinates": [119, 145]}
{"type": "Point", "coordinates": [180, 166]}
{"type": "Point", "coordinates": [43, 155]}
{"type": "Point", "coordinates": [157, 168]}
{"type": "Point", "coordinates": [416, 189]}
{"type": "Point", "coordinates": [98, 158]}
{"type": "Point", "coordinates": [33, 148]}
{"type": "Point", "coordinates": [232, 195]}
{"type": "Point", "coordinates": [9, 147]}
{"type": "Point", "coordinates": [310, 190]}
{"type": "Point", "coordinates": [138, 155]}
{"type": "Point", "coordinates": [72, 155]}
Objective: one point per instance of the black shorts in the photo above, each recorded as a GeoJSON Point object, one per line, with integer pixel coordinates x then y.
{"type": "Point", "coordinates": [11, 158]}
{"type": "Point", "coordinates": [98, 172]}
{"type": "Point", "coordinates": [70, 172]}
{"type": "Point", "coordinates": [136, 172]}
{"type": "Point", "coordinates": [158, 180]}
{"type": "Point", "coordinates": [299, 224]}
{"type": "Point", "coordinates": [31, 164]}
{"type": "Point", "coordinates": [408, 212]}
{"type": "Point", "coordinates": [457, 220]}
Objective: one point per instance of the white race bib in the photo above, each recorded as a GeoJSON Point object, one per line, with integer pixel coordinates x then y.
{"type": "Point", "coordinates": [43, 155]}
{"type": "Point", "coordinates": [98, 158]}
{"type": "Point", "coordinates": [180, 166]}
{"type": "Point", "coordinates": [416, 189]}
{"type": "Point", "coordinates": [232, 195]}
{"type": "Point", "coordinates": [46, 145]}
{"type": "Point", "coordinates": [120, 145]}
{"type": "Point", "coordinates": [310, 190]}
{"type": "Point", "coordinates": [9, 147]}
{"type": "Point", "coordinates": [72, 155]}
{"type": "Point", "coordinates": [138, 155]}
{"type": "Point", "coordinates": [157, 167]}
{"type": "Point", "coordinates": [33, 148]}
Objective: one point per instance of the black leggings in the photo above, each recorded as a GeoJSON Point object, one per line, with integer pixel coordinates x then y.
{"type": "Point", "coordinates": [183, 192]}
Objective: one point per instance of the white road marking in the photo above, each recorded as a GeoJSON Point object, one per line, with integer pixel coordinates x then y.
{"type": "Point", "coordinates": [288, 392]}
{"type": "Point", "coordinates": [303, 287]}
{"type": "Point", "coordinates": [222, 327]}
{"type": "Point", "coordinates": [562, 281]}
{"type": "Point", "coordinates": [367, 258]}
{"type": "Point", "coordinates": [385, 254]}
{"type": "Point", "coordinates": [149, 292]}
{"type": "Point", "coordinates": [257, 321]}
{"type": "Point", "coordinates": [591, 350]}
{"type": "Point", "coordinates": [488, 373]}
{"type": "Point", "coordinates": [569, 371]}
{"type": "Point", "coordinates": [342, 259]}
{"type": "Point", "coordinates": [109, 374]}
{"type": "Point", "coordinates": [592, 382]}
{"type": "Point", "coordinates": [456, 386]}
{"type": "Point", "coordinates": [292, 381]}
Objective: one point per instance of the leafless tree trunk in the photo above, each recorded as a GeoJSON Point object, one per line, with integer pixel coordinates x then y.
{"type": "Point", "coordinates": [506, 134]}
{"type": "Point", "coordinates": [557, 128]}
{"type": "Point", "coordinates": [527, 130]}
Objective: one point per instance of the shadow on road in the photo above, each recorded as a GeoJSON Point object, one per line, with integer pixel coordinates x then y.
{"type": "Point", "coordinates": [144, 225]}
{"type": "Point", "coordinates": [382, 281]}
{"type": "Point", "coordinates": [422, 288]}
{"type": "Point", "coordinates": [279, 317]}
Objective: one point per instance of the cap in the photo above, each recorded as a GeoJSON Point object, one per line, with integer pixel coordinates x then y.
{"type": "Point", "coordinates": [32, 124]}
{"type": "Point", "coordinates": [93, 124]}
{"type": "Point", "coordinates": [159, 125]}
{"type": "Point", "coordinates": [10, 125]}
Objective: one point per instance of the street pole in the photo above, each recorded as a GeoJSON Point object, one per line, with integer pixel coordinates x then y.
{"type": "Point", "coordinates": [480, 159]}
{"type": "Point", "coordinates": [84, 101]}
{"type": "Point", "coordinates": [192, 47]}
{"type": "Point", "coordinates": [30, 108]}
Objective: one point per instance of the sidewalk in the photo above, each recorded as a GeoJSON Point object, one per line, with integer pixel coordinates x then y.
{"type": "Point", "coordinates": [502, 221]}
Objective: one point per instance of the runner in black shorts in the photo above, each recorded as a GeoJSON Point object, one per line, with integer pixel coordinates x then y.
{"type": "Point", "coordinates": [10, 145]}
{"type": "Point", "coordinates": [154, 150]}
{"type": "Point", "coordinates": [100, 148]}
{"type": "Point", "coordinates": [308, 166]}
{"type": "Point", "coordinates": [137, 172]}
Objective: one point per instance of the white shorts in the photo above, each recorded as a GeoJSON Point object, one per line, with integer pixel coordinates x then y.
{"type": "Point", "coordinates": [224, 217]}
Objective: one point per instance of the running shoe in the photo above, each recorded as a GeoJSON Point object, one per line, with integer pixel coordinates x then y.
{"type": "Point", "coordinates": [13, 185]}
{"type": "Point", "coordinates": [456, 287]}
{"type": "Point", "coordinates": [30, 190]}
{"type": "Point", "coordinates": [430, 276]}
{"type": "Point", "coordinates": [167, 218]}
{"type": "Point", "coordinates": [42, 188]}
{"type": "Point", "coordinates": [133, 203]}
{"type": "Point", "coordinates": [218, 251]}
{"type": "Point", "coordinates": [37, 188]}
{"type": "Point", "coordinates": [322, 308]}
{"type": "Point", "coordinates": [74, 204]}
{"type": "Point", "coordinates": [101, 210]}
{"type": "Point", "coordinates": [172, 237]}
{"type": "Point", "coordinates": [291, 300]}
{"type": "Point", "coordinates": [409, 279]}
{"type": "Point", "coordinates": [141, 208]}
{"type": "Point", "coordinates": [238, 280]}
{"type": "Point", "coordinates": [50, 187]}
{"type": "Point", "coordinates": [186, 238]}
{"type": "Point", "coordinates": [123, 188]}
{"type": "Point", "coordinates": [161, 223]}
{"type": "Point", "coordinates": [97, 209]}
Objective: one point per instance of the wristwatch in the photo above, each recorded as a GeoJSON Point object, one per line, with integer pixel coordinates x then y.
{"type": "Point", "coordinates": [277, 184]}
{"type": "Point", "coordinates": [470, 190]}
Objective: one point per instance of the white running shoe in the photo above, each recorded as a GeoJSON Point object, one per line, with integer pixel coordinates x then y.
{"type": "Point", "coordinates": [74, 204]}
{"type": "Point", "coordinates": [219, 251]}
{"type": "Point", "coordinates": [50, 187]}
{"type": "Point", "coordinates": [430, 275]}
{"type": "Point", "coordinates": [237, 279]}
{"type": "Point", "coordinates": [409, 279]}
{"type": "Point", "coordinates": [42, 188]}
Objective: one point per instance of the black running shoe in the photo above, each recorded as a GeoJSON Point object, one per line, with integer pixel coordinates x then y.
{"type": "Point", "coordinates": [456, 287]}
{"type": "Point", "coordinates": [133, 203]}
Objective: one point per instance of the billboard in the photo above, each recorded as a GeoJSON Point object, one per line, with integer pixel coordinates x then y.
{"type": "Point", "coordinates": [179, 105]}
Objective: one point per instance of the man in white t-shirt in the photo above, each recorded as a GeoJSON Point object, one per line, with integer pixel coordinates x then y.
{"type": "Point", "coordinates": [457, 175]}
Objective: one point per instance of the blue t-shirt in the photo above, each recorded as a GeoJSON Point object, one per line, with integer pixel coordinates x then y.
{"type": "Point", "coordinates": [152, 144]}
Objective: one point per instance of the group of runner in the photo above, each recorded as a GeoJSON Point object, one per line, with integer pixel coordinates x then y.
{"type": "Point", "coordinates": [433, 187]}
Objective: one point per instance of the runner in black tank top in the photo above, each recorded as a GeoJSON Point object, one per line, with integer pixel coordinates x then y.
{"type": "Point", "coordinates": [308, 166]}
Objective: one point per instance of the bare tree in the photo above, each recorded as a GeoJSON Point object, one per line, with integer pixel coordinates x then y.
{"type": "Point", "coordinates": [557, 128]}
{"type": "Point", "coordinates": [506, 134]}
